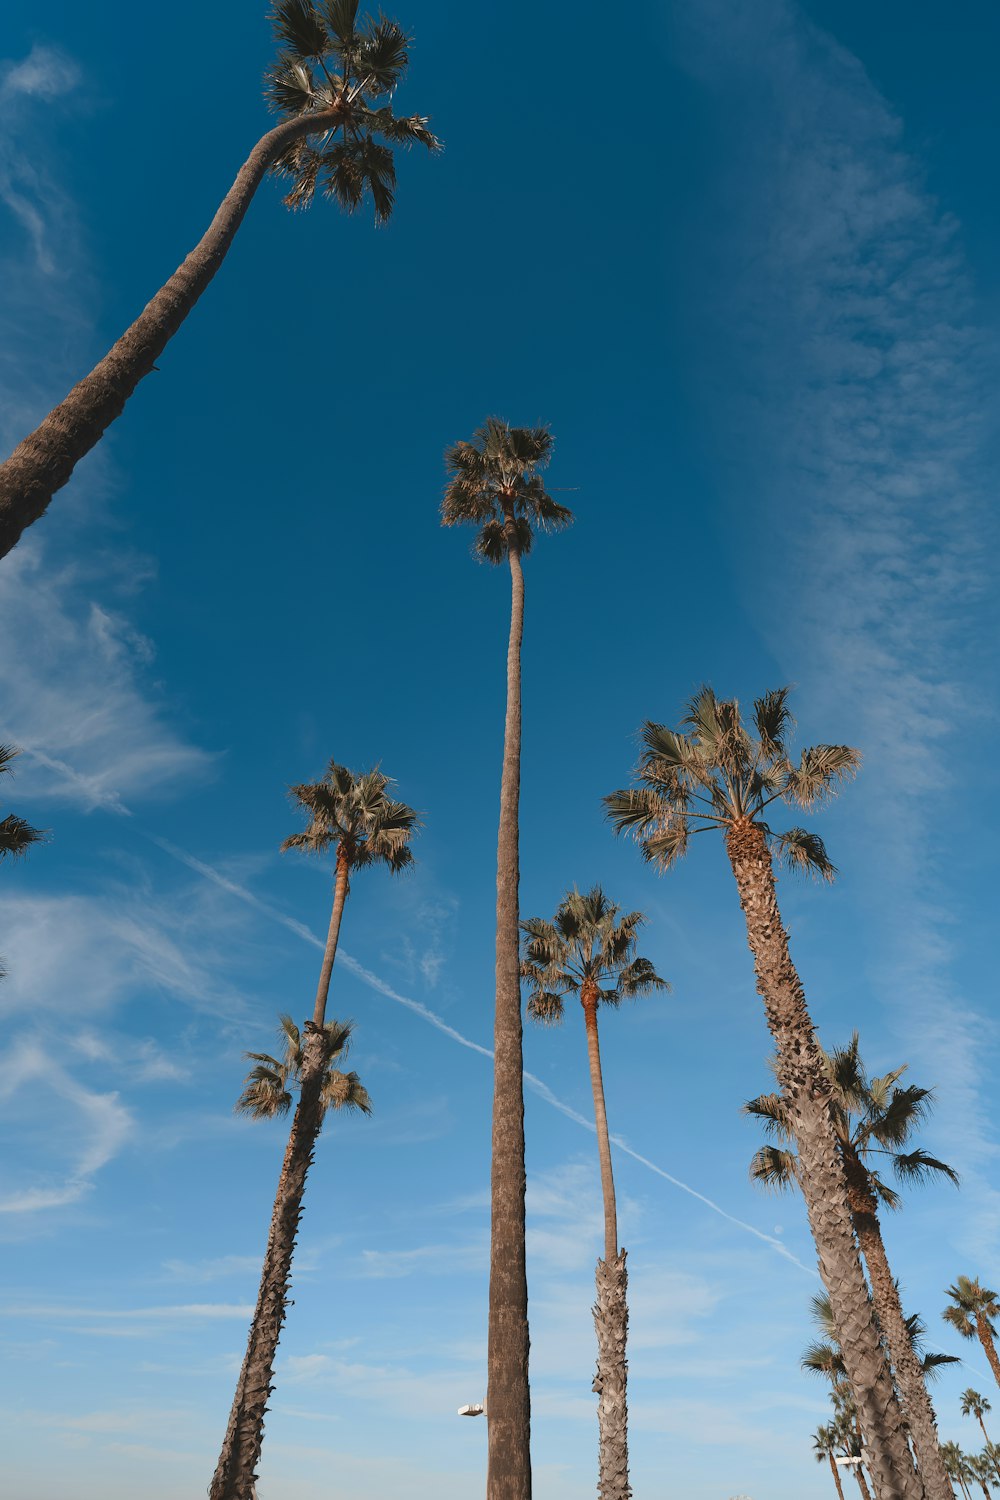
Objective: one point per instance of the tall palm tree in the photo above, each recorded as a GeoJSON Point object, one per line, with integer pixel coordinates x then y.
{"type": "Point", "coordinates": [973, 1312]}
{"type": "Point", "coordinates": [872, 1118]}
{"type": "Point", "coordinates": [589, 951]}
{"type": "Point", "coordinates": [16, 835]}
{"type": "Point", "coordinates": [980, 1469]}
{"type": "Point", "coordinates": [825, 1446]}
{"type": "Point", "coordinates": [715, 773]}
{"type": "Point", "coordinates": [331, 83]}
{"type": "Point", "coordinates": [494, 483]}
{"type": "Point", "coordinates": [354, 815]}
{"type": "Point", "coordinates": [975, 1405]}
{"type": "Point", "coordinates": [957, 1466]}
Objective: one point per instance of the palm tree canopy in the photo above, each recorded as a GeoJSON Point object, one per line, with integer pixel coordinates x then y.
{"type": "Point", "coordinates": [588, 945]}
{"type": "Point", "coordinates": [874, 1117]}
{"type": "Point", "coordinates": [356, 814]}
{"type": "Point", "coordinates": [266, 1092]}
{"type": "Point", "coordinates": [974, 1405]}
{"type": "Point", "coordinates": [494, 480]}
{"type": "Point", "coordinates": [825, 1441]}
{"type": "Point", "coordinates": [331, 58]}
{"type": "Point", "coordinates": [715, 773]}
{"type": "Point", "coordinates": [16, 835]}
{"type": "Point", "coordinates": [971, 1301]}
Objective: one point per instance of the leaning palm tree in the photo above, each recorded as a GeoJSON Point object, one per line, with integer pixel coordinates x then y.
{"type": "Point", "coordinates": [975, 1405]}
{"type": "Point", "coordinates": [973, 1312]}
{"type": "Point", "coordinates": [355, 816]}
{"type": "Point", "coordinates": [717, 774]}
{"type": "Point", "coordinates": [825, 1446]}
{"type": "Point", "coordinates": [981, 1470]}
{"type": "Point", "coordinates": [16, 834]}
{"type": "Point", "coordinates": [873, 1118]}
{"type": "Point", "coordinates": [494, 483]}
{"type": "Point", "coordinates": [332, 84]}
{"type": "Point", "coordinates": [957, 1465]}
{"type": "Point", "coordinates": [589, 951]}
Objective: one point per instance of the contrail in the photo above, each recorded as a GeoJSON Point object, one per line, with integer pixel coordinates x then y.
{"type": "Point", "coordinates": [433, 1019]}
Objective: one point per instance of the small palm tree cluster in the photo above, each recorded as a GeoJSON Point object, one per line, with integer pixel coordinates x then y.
{"type": "Point", "coordinates": [16, 834]}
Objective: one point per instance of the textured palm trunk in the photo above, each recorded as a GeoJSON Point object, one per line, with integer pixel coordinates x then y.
{"type": "Point", "coordinates": [508, 1406]}
{"type": "Point", "coordinates": [917, 1408]}
{"type": "Point", "coordinates": [44, 461]}
{"type": "Point", "coordinates": [986, 1339]}
{"type": "Point", "coordinates": [611, 1323]}
{"type": "Point", "coordinates": [807, 1092]}
{"type": "Point", "coordinates": [986, 1491]}
{"type": "Point", "coordinates": [835, 1471]}
{"type": "Point", "coordinates": [235, 1474]}
{"type": "Point", "coordinates": [341, 886]}
{"type": "Point", "coordinates": [611, 1307]}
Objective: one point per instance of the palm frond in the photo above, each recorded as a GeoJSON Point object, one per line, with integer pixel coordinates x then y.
{"type": "Point", "coordinates": [290, 90]}
{"type": "Point", "coordinates": [772, 1109]}
{"type": "Point", "coordinates": [805, 852]}
{"type": "Point", "coordinates": [919, 1165]}
{"type": "Point", "coordinates": [345, 1091]}
{"type": "Point", "coordinates": [299, 28]}
{"type": "Point", "coordinates": [17, 837]}
{"type": "Point", "coordinates": [666, 846]}
{"type": "Point", "coordinates": [774, 1168]}
{"type": "Point", "coordinates": [773, 719]}
{"type": "Point", "coordinates": [401, 130]}
{"type": "Point", "coordinates": [931, 1364]}
{"type": "Point", "coordinates": [383, 56]}
{"type": "Point", "coordinates": [640, 978]}
{"type": "Point", "coordinates": [896, 1119]}
{"type": "Point", "coordinates": [341, 20]}
{"type": "Point", "coordinates": [545, 1006]}
{"type": "Point", "coordinates": [820, 771]}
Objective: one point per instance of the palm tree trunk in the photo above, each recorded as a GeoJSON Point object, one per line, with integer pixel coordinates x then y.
{"type": "Point", "coordinates": [508, 1406]}
{"type": "Point", "coordinates": [44, 461]}
{"type": "Point", "coordinates": [916, 1403]}
{"type": "Point", "coordinates": [235, 1472]}
{"type": "Point", "coordinates": [807, 1093]}
{"type": "Point", "coordinates": [859, 1475]}
{"type": "Point", "coordinates": [986, 1491]}
{"type": "Point", "coordinates": [986, 1339]}
{"type": "Point", "coordinates": [989, 1450]}
{"type": "Point", "coordinates": [835, 1471]}
{"type": "Point", "coordinates": [611, 1307]}
{"type": "Point", "coordinates": [341, 886]}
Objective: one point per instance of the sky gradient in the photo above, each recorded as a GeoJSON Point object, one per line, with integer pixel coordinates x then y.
{"type": "Point", "coordinates": [759, 313]}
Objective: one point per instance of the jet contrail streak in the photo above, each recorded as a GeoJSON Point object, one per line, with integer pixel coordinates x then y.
{"type": "Point", "coordinates": [433, 1019]}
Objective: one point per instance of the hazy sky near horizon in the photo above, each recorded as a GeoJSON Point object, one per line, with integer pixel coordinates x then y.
{"type": "Point", "coordinates": [757, 299]}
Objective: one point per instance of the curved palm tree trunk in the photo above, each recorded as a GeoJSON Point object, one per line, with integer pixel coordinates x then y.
{"type": "Point", "coordinates": [611, 1307]}
{"type": "Point", "coordinates": [807, 1092]}
{"type": "Point", "coordinates": [835, 1471]}
{"type": "Point", "coordinates": [235, 1473]}
{"type": "Point", "coordinates": [985, 1486]}
{"type": "Point", "coordinates": [508, 1406]}
{"type": "Point", "coordinates": [44, 461]}
{"type": "Point", "coordinates": [859, 1475]}
{"type": "Point", "coordinates": [341, 886]}
{"type": "Point", "coordinates": [917, 1408]}
{"type": "Point", "coordinates": [986, 1339]}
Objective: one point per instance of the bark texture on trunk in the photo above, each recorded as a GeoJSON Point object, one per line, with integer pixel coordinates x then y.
{"type": "Point", "coordinates": [341, 886]}
{"type": "Point", "coordinates": [610, 1382]}
{"type": "Point", "coordinates": [916, 1403]}
{"type": "Point", "coordinates": [862, 1482]}
{"type": "Point", "coordinates": [588, 999]}
{"type": "Point", "coordinates": [44, 461]}
{"type": "Point", "coordinates": [807, 1092]}
{"type": "Point", "coordinates": [836, 1474]}
{"type": "Point", "coordinates": [508, 1407]}
{"type": "Point", "coordinates": [986, 1339]}
{"type": "Point", "coordinates": [235, 1474]}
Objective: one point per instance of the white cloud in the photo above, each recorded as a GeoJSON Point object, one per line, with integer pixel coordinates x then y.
{"type": "Point", "coordinates": [45, 73]}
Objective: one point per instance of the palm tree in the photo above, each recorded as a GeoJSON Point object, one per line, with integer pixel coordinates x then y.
{"type": "Point", "coordinates": [824, 1357]}
{"type": "Point", "coordinates": [16, 835]}
{"type": "Point", "coordinates": [872, 1118]}
{"type": "Point", "coordinates": [975, 1405]}
{"type": "Point", "coordinates": [494, 483]}
{"type": "Point", "coordinates": [980, 1468]}
{"type": "Point", "coordinates": [973, 1311]}
{"type": "Point", "coordinates": [716, 774]}
{"type": "Point", "coordinates": [355, 816]}
{"type": "Point", "coordinates": [825, 1445]}
{"type": "Point", "coordinates": [589, 951]}
{"type": "Point", "coordinates": [957, 1466]}
{"type": "Point", "coordinates": [332, 80]}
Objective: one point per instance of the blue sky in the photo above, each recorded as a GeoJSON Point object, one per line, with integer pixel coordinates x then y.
{"type": "Point", "coordinates": [759, 312]}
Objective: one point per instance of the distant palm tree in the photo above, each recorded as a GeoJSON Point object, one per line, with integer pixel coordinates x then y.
{"type": "Point", "coordinates": [825, 1445]}
{"type": "Point", "coordinates": [355, 816]}
{"type": "Point", "coordinates": [328, 79]}
{"type": "Point", "coordinates": [975, 1405]}
{"type": "Point", "coordinates": [973, 1311]}
{"type": "Point", "coordinates": [957, 1466]}
{"type": "Point", "coordinates": [589, 951]}
{"type": "Point", "coordinates": [717, 773]}
{"type": "Point", "coordinates": [980, 1469]}
{"type": "Point", "coordinates": [872, 1118]}
{"type": "Point", "coordinates": [16, 835]}
{"type": "Point", "coordinates": [494, 483]}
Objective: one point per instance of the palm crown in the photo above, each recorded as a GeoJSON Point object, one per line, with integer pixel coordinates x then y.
{"type": "Point", "coordinates": [974, 1405]}
{"type": "Point", "coordinates": [266, 1093]}
{"type": "Point", "coordinates": [970, 1302]}
{"type": "Point", "coordinates": [589, 947]}
{"type": "Point", "coordinates": [824, 1357]}
{"type": "Point", "coordinates": [331, 60]}
{"type": "Point", "coordinates": [356, 814]}
{"type": "Point", "coordinates": [494, 484]}
{"type": "Point", "coordinates": [16, 835]}
{"type": "Point", "coordinates": [871, 1116]}
{"type": "Point", "coordinates": [714, 773]}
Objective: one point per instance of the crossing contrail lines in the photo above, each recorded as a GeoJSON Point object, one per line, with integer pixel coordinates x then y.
{"type": "Point", "coordinates": [537, 1086]}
